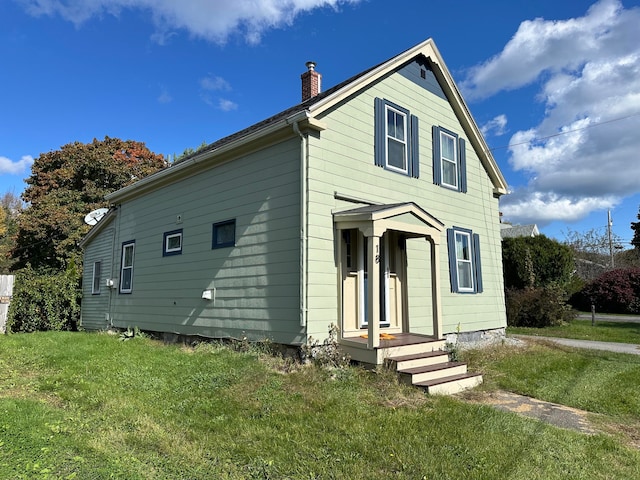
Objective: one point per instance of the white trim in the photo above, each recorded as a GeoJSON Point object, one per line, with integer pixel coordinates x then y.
{"type": "Point", "coordinates": [455, 161]}
{"type": "Point", "coordinates": [465, 261]}
{"type": "Point", "coordinates": [94, 290]}
{"type": "Point", "coordinates": [362, 318]}
{"type": "Point", "coordinates": [388, 136]}
{"type": "Point", "coordinates": [125, 246]}
{"type": "Point", "coordinates": [168, 249]}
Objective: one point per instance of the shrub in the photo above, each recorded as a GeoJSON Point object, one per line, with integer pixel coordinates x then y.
{"type": "Point", "coordinates": [536, 262]}
{"type": "Point", "coordinates": [537, 307]}
{"type": "Point", "coordinates": [44, 301]}
{"type": "Point", "coordinates": [615, 291]}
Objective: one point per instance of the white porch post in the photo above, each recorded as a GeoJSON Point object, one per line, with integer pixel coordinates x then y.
{"type": "Point", "coordinates": [435, 288]}
{"type": "Point", "coordinates": [373, 292]}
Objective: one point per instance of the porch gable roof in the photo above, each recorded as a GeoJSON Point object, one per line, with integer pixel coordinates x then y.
{"type": "Point", "coordinates": [405, 217]}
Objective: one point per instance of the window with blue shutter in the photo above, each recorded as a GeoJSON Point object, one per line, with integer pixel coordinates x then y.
{"type": "Point", "coordinates": [396, 138]}
{"type": "Point", "coordinates": [449, 159]}
{"type": "Point", "coordinates": [465, 267]}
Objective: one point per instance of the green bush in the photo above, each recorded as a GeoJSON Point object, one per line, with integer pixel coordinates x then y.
{"type": "Point", "coordinates": [536, 262]}
{"type": "Point", "coordinates": [44, 301]}
{"type": "Point", "coordinates": [537, 307]}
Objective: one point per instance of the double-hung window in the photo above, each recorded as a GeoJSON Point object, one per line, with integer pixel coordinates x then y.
{"type": "Point", "coordinates": [126, 267]}
{"type": "Point", "coordinates": [396, 138]}
{"type": "Point", "coordinates": [464, 260]}
{"type": "Point", "coordinates": [449, 160]}
{"type": "Point", "coordinates": [95, 284]}
{"type": "Point", "coordinates": [172, 243]}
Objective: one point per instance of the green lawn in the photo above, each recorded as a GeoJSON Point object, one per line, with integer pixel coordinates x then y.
{"type": "Point", "coordinates": [621, 332]}
{"type": "Point", "coordinates": [89, 406]}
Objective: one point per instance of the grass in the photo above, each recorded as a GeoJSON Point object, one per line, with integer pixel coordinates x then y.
{"type": "Point", "coordinates": [88, 406]}
{"type": "Point", "coordinates": [621, 332]}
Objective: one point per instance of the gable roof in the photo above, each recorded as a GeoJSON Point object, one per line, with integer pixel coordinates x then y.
{"type": "Point", "coordinates": [513, 231]}
{"type": "Point", "coordinates": [304, 115]}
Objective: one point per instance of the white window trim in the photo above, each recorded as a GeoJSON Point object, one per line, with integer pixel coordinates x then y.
{"type": "Point", "coordinates": [404, 142]}
{"type": "Point", "coordinates": [170, 236]}
{"type": "Point", "coordinates": [125, 246]}
{"type": "Point", "coordinates": [94, 290]}
{"type": "Point", "coordinates": [462, 260]}
{"type": "Point", "coordinates": [455, 162]}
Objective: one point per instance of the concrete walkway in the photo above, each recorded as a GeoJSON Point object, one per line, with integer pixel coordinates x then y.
{"type": "Point", "coordinates": [547, 412]}
{"type": "Point", "coordinates": [552, 413]}
{"type": "Point", "coordinates": [588, 344]}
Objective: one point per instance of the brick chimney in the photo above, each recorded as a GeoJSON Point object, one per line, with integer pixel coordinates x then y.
{"type": "Point", "coordinates": [310, 82]}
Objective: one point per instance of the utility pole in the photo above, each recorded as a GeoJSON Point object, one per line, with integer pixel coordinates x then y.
{"type": "Point", "coordinates": [609, 224]}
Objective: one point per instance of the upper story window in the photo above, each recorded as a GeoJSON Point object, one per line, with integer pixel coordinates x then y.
{"type": "Point", "coordinates": [224, 234]}
{"type": "Point", "coordinates": [449, 160]}
{"type": "Point", "coordinates": [126, 267]}
{"type": "Point", "coordinates": [396, 138]}
{"type": "Point", "coordinates": [172, 243]}
{"type": "Point", "coordinates": [464, 260]}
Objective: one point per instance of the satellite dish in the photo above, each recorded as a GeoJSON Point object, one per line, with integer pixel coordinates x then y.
{"type": "Point", "coordinates": [94, 217]}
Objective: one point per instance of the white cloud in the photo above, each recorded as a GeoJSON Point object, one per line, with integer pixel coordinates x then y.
{"type": "Point", "coordinates": [226, 105]}
{"type": "Point", "coordinates": [213, 83]}
{"type": "Point", "coordinates": [14, 168]}
{"type": "Point", "coordinates": [583, 154]}
{"type": "Point", "coordinates": [213, 20]}
{"type": "Point", "coordinates": [165, 96]}
{"type": "Point", "coordinates": [526, 207]}
{"type": "Point", "coordinates": [496, 126]}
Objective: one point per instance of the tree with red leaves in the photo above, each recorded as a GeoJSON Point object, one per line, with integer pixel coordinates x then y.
{"type": "Point", "coordinates": [67, 184]}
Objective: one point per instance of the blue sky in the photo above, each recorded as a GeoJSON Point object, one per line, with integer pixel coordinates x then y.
{"type": "Point", "coordinates": [555, 85]}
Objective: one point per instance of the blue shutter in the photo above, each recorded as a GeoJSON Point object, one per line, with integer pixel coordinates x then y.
{"type": "Point", "coordinates": [380, 129]}
{"type": "Point", "coordinates": [453, 265]}
{"type": "Point", "coordinates": [476, 262]}
{"type": "Point", "coordinates": [462, 166]}
{"type": "Point", "coordinates": [414, 171]}
{"type": "Point", "coordinates": [437, 169]}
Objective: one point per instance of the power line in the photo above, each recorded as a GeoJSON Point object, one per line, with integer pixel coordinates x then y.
{"type": "Point", "coordinates": [567, 132]}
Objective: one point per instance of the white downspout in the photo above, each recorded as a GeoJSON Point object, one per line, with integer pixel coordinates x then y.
{"type": "Point", "coordinates": [304, 160]}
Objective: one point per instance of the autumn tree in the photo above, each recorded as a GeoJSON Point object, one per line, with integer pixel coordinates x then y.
{"type": "Point", "coordinates": [64, 186]}
{"type": "Point", "coordinates": [10, 208]}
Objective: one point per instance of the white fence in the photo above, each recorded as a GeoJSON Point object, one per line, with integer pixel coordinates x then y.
{"type": "Point", "coordinates": [6, 292]}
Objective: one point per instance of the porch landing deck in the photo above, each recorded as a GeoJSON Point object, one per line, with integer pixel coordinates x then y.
{"type": "Point", "coordinates": [399, 340]}
{"type": "Point", "coordinates": [401, 344]}
{"type": "Point", "coordinates": [420, 360]}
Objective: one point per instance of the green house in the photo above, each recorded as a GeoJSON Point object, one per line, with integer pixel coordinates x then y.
{"type": "Point", "coordinates": [371, 206]}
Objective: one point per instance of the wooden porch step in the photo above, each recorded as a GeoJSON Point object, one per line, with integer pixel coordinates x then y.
{"type": "Point", "coordinates": [451, 384]}
{"type": "Point", "coordinates": [392, 349]}
{"type": "Point", "coordinates": [422, 359]}
{"type": "Point", "coordinates": [432, 372]}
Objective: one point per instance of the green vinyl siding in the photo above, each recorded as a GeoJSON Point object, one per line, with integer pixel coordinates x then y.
{"type": "Point", "coordinates": [95, 307]}
{"type": "Point", "coordinates": [256, 282]}
{"type": "Point", "coordinates": [343, 161]}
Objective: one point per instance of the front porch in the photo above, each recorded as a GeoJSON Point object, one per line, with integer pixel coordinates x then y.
{"type": "Point", "coordinates": [420, 360]}
{"type": "Point", "coordinates": [377, 325]}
